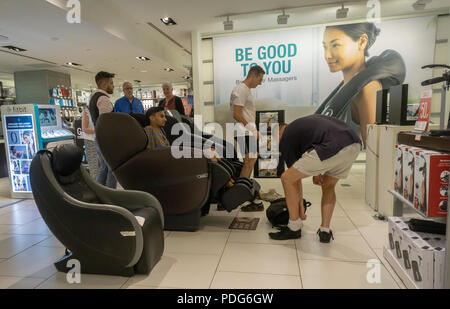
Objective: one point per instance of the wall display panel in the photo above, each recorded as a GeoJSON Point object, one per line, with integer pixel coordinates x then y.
{"type": "Point", "coordinates": [298, 76]}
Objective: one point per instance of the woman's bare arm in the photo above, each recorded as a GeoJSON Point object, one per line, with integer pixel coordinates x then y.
{"type": "Point", "coordinates": [366, 104]}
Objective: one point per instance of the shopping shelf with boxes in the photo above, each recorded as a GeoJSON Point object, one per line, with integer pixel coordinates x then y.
{"type": "Point", "coordinates": [422, 184]}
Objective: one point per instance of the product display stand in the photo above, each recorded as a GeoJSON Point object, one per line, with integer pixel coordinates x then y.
{"type": "Point", "coordinates": [399, 202]}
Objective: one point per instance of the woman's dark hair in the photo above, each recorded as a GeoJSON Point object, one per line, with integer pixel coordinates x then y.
{"type": "Point", "coordinates": [355, 31]}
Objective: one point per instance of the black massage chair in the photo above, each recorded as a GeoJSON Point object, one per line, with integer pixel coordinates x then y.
{"type": "Point", "coordinates": [185, 186]}
{"type": "Point", "coordinates": [110, 232]}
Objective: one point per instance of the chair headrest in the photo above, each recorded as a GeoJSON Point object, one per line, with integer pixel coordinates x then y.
{"type": "Point", "coordinates": [143, 121]}
{"type": "Point", "coordinates": [120, 137]}
{"type": "Point", "coordinates": [67, 159]}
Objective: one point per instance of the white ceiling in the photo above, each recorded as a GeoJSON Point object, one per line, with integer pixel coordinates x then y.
{"type": "Point", "coordinates": [114, 32]}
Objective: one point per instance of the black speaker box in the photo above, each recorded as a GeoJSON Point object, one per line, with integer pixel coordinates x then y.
{"type": "Point", "coordinates": [398, 106]}
{"type": "Point", "coordinates": [382, 100]}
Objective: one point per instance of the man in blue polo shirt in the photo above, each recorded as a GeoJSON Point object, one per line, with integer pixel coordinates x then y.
{"type": "Point", "coordinates": [128, 104]}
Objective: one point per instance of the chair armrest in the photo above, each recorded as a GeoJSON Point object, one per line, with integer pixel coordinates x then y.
{"type": "Point", "coordinates": [130, 200]}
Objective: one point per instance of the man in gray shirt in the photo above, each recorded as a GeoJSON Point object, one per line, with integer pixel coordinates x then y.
{"type": "Point", "coordinates": [100, 103]}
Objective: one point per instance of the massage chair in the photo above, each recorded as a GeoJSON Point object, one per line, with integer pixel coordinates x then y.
{"type": "Point", "coordinates": [109, 232]}
{"type": "Point", "coordinates": [185, 187]}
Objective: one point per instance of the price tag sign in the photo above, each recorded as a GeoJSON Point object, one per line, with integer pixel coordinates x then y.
{"type": "Point", "coordinates": [423, 121]}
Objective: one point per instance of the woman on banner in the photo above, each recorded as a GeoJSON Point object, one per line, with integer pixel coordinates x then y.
{"type": "Point", "coordinates": [354, 100]}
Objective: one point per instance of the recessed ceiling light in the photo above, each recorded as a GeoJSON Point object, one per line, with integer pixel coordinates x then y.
{"type": "Point", "coordinates": [186, 77]}
{"type": "Point", "coordinates": [144, 71]}
{"type": "Point", "coordinates": [168, 69]}
{"type": "Point", "coordinates": [168, 21]}
{"type": "Point", "coordinates": [14, 48]}
{"type": "Point", "coordinates": [143, 58]}
{"type": "Point", "coordinates": [73, 64]}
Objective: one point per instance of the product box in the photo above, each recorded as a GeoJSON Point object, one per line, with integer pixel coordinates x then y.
{"type": "Point", "coordinates": [413, 152]}
{"type": "Point", "coordinates": [438, 243]}
{"type": "Point", "coordinates": [396, 227]}
{"type": "Point", "coordinates": [431, 183]}
{"type": "Point", "coordinates": [408, 173]}
{"type": "Point", "coordinates": [398, 169]}
{"type": "Point", "coordinates": [421, 255]}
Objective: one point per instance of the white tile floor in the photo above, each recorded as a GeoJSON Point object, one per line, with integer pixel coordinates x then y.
{"type": "Point", "coordinates": [216, 257]}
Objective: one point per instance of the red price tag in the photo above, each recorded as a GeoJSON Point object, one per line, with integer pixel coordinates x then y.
{"type": "Point", "coordinates": [423, 121]}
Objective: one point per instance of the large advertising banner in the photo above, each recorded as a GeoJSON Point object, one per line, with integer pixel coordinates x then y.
{"type": "Point", "coordinates": [299, 78]}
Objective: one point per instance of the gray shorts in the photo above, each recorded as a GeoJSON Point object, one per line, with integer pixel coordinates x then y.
{"type": "Point", "coordinates": [338, 166]}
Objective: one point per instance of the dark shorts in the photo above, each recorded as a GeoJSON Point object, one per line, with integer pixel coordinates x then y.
{"type": "Point", "coordinates": [246, 144]}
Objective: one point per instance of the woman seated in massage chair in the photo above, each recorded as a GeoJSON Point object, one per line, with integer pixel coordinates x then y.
{"type": "Point", "coordinates": [354, 100]}
{"type": "Point", "coordinates": [157, 138]}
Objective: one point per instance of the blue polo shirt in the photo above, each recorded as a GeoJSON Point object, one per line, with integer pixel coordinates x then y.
{"type": "Point", "coordinates": [123, 106]}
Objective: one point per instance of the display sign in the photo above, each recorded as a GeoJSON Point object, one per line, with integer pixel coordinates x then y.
{"type": "Point", "coordinates": [21, 149]}
{"type": "Point", "coordinates": [423, 121]}
{"type": "Point", "coordinates": [301, 74]}
{"type": "Point", "coordinates": [47, 117]}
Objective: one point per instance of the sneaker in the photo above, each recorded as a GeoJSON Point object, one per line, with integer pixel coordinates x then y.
{"type": "Point", "coordinates": [286, 233]}
{"type": "Point", "coordinates": [325, 237]}
{"type": "Point", "coordinates": [270, 196]}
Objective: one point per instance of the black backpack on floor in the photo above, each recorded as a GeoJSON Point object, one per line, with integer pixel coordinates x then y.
{"type": "Point", "coordinates": [278, 213]}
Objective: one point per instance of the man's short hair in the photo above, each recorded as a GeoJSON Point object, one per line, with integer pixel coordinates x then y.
{"type": "Point", "coordinates": [153, 110]}
{"type": "Point", "coordinates": [125, 83]}
{"type": "Point", "coordinates": [256, 70]}
{"type": "Point", "coordinates": [101, 76]}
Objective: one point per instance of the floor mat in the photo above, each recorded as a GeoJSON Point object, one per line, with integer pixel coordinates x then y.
{"type": "Point", "coordinates": [244, 223]}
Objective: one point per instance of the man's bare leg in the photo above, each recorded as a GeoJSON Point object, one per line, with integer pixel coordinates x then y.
{"type": "Point", "coordinates": [249, 164]}
{"type": "Point", "coordinates": [328, 199]}
{"type": "Point", "coordinates": [292, 185]}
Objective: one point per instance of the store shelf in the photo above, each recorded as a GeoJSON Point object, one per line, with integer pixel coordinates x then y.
{"type": "Point", "coordinates": [406, 202]}
{"type": "Point", "coordinates": [428, 142]}
{"type": "Point", "coordinates": [395, 264]}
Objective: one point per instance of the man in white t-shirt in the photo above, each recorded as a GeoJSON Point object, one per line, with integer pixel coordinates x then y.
{"type": "Point", "coordinates": [243, 112]}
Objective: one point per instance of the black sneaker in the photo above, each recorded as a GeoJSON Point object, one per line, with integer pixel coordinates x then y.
{"type": "Point", "coordinates": [286, 233]}
{"type": "Point", "coordinates": [325, 237]}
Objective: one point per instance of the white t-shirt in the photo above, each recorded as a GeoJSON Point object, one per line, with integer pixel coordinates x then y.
{"type": "Point", "coordinates": [84, 135]}
{"type": "Point", "coordinates": [242, 96]}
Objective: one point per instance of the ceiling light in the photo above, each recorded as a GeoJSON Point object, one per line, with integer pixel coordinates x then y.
{"type": "Point", "coordinates": [186, 77]}
{"type": "Point", "coordinates": [73, 64]}
{"type": "Point", "coordinates": [168, 69]}
{"type": "Point", "coordinates": [14, 48]}
{"type": "Point", "coordinates": [143, 58]}
{"type": "Point", "coordinates": [342, 12]}
{"type": "Point", "coordinates": [420, 5]}
{"type": "Point", "coordinates": [228, 24]}
{"type": "Point", "coordinates": [168, 21]}
{"type": "Point", "coordinates": [283, 19]}
{"type": "Point", "coordinates": [137, 81]}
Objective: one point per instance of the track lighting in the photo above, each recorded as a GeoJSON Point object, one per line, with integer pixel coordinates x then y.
{"type": "Point", "coordinates": [228, 24]}
{"type": "Point", "coordinates": [420, 5]}
{"type": "Point", "coordinates": [342, 12]}
{"type": "Point", "coordinates": [283, 19]}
